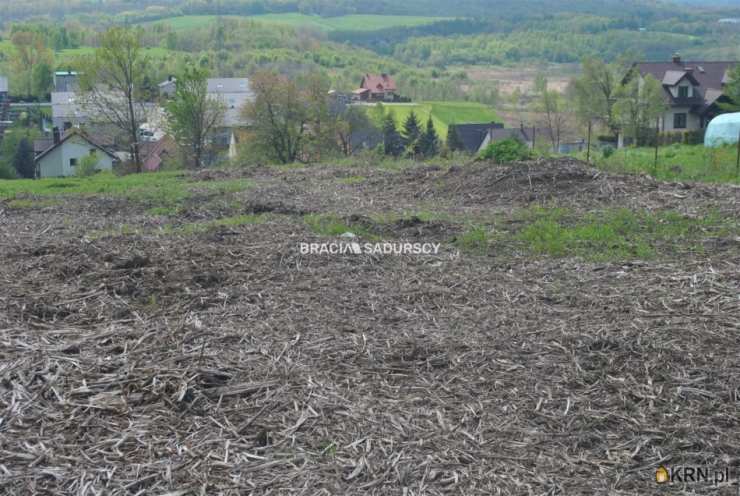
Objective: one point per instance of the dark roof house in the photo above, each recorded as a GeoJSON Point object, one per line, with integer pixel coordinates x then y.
{"type": "Point", "coordinates": [692, 90]}
{"type": "Point", "coordinates": [471, 136]}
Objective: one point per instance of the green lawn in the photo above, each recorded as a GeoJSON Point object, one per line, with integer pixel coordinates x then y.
{"type": "Point", "coordinates": [619, 234]}
{"type": "Point", "coordinates": [340, 23]}
{"type": "Point", "coordinates": [675, 163]}
{"type": "Point", "coordinates": [157, 52]}
{"type": "Point", "coordinates": [443, 113]}
{"type": "Point", "coordinates": [163, 189]}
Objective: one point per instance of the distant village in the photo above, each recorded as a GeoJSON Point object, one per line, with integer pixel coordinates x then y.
{"type": "Point", "coordinates": [73, 131]}
{"type": "Point", "coordinates": [693, 92]}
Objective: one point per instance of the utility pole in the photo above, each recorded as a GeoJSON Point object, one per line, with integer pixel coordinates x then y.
{"type": "Point", "coordinates": [588, 148]}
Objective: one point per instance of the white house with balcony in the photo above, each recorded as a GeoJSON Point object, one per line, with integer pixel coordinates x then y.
{"type": "Point", "coordinates": [692, 89]}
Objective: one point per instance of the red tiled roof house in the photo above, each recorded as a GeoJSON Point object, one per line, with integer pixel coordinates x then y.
{"type": "Point", "coordinates": [376, 88]}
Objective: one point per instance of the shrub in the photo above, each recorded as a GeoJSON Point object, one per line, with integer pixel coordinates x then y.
{"type": "Point", "coordinates": [505, 151]}
{"type": "Point", "coordinates": [7, 172]}
{"type": "Point", "coordinates": [607, 151]}
{"type": "Point", "coordinates": [87, 166]}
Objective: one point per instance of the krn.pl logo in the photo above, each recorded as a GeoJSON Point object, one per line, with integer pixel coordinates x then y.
{"type": "Point", "coordinates": [661, 475]}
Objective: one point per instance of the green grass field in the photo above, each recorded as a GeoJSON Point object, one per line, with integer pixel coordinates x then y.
{"type": "Point", "coordinates": [166, 189]}
{"type": "Point", "coordinates": [6, 48]}
{"type": "Point", "coordinates": [326, 24]}
{"type": "Point", "coordinates": [676, 163]}
{"type": "Point", "coordinates": [443, 113]}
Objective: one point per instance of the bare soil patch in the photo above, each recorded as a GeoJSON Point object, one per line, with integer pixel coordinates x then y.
{"type": "Point", "coordinates": [226, 362]}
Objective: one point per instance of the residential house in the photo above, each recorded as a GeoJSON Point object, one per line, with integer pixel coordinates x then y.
{"type": "Point", "coordinates": [167, 88]}
{"type": "Point", "coordinates": [3, 89]}
{"type": "Point", "coordinates": [67, 110]}
{"type": "Point", "coordinates": [66, 152]}
{"type": "Point", "coordinates": [376, 88]}
{"type": "Point", "coordinates": [338, 101]}
{"type": "Point", "coordinates": [234, 93]}
{"type": "Point", "coordinates": [155, 153]}
{"type": "Point", "coordinates": [692, 90]}
{"type": "Point", "coordinates": [65, 81]}
{"type": "Point", "coordinates": [4, 105]}
{"type": "Point", "coordinates": [471, 136]}
{"type": "Point", "coordinates": [474, 138]}
{"type": "Point", "coordinates": [41, 145]}
{"type": "Point", "coordinates": [528, 136]}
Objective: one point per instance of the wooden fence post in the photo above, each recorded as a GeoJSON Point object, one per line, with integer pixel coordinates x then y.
{"type": "Point", "coordinates": [657, 144]}
{"type": "Point", "coordinates": [737, 165]}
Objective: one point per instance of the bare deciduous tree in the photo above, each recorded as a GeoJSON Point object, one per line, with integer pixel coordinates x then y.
{"type": "Point", "coordinates": [112, 81]}
{"type": "Point", "coordinates": [554, 110]}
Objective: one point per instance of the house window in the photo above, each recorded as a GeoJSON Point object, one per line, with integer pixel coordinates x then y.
{"type": "Point", "coordinates": [683, 92]}
{"type": "Point", "coordinates": [72, 162]}
{"type": "Point", "coordinates": [679, 121]}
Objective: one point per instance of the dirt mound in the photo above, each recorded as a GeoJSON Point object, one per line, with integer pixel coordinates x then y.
{"type": "Point", "coordinates": [524, 182]}
{"type": "Point", "coordinates": [570, 182]}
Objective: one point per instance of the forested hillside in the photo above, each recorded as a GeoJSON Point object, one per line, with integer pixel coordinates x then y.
{"type": "Point", "coordinates": [513, 9]}
{"type": "Point", "coordinates": [428, 45]}
{"type": "Point", "coordinates": [436, 33]}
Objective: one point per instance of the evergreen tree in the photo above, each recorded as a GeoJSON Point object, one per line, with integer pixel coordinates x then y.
{"type": "Point", "coordinates": [392, 141]}
{"type": "Point", "coordinates": [429, 141]}
{"type": "Point", "coordinates": [732, 91]}
{"type": "Point", "coordinates": [23, 159]}
{"type": "Point", "coordinates": [411, 130]}
{"type": "Point", "coordinates": [453, 140]}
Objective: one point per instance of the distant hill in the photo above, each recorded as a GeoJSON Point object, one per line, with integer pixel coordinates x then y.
{"type": "Point", "coordinates": [709, 3]}
{"type": "Point", "coordinates": [322, 24]}
{"type": "Point", "coordinates": [457, 8]}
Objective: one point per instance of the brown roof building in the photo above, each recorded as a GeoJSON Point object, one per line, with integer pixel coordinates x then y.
{"type": "Point", "coordinates": [376, 87]}
{"type": "Point", "coordinates": [692, 89]}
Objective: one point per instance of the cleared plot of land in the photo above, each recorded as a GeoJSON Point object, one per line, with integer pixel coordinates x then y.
{"type": "Point", "coordinates": [339, 23]}
{"type": "Point", "coordinates": [576, 330]}
{"type": "Point", "coordinates": [509, 79]}
{"type": "Point", "coordinates": [443, 113]}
